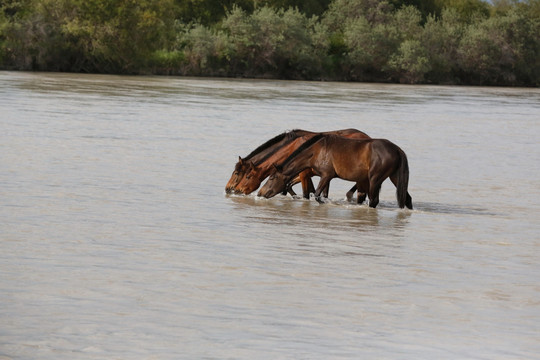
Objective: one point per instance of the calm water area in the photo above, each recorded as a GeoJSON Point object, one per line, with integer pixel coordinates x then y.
{"type": "Point", "coordinates": [117, 240]}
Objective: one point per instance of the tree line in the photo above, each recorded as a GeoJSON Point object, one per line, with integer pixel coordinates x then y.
{"type": "Point", "coordinates": [414, 41]}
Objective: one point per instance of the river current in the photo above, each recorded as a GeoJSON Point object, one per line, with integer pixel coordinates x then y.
{"type": "Point", "coordinates": [117, 240]}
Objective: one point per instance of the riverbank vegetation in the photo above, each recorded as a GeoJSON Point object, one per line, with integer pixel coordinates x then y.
{"type": "Point", "coordinates": [414, 41]}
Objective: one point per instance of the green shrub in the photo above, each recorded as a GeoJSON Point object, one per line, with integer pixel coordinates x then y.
{"type": "Point", "coordinates": [501, 50]}
{"type": "Point", "coordinates": [440, 39]}
{"type": "Point", "coordinates": [410, 63]}
{"type": "Point", "coordinates": [273, 43]}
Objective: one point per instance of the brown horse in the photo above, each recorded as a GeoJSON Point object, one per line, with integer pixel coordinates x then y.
{"type": "Point", "coordinates": [268, 148]}
{"type": "Point", "coordinates": [242, 166]}
{"type": "Point", "coordinates": [258, 172]}
{"type": "Point", "coordinates": [367, 162]}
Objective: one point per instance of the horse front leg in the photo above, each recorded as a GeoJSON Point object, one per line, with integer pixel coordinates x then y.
{"type": "Point", "coordinates": [289, 187]}
{"type": "Point", "coordinates": [307, 184]}
{"type": "Point", "coordinates": [289, 190]}
{"type": "Point", "coordinates": [324, 183]}
{"type": "Point", "coordinates": [363, 188]}
{"type": "Point", "coordinates": [326, 190]}
{"type": "Point", "coordinates": [350, 193]}
{"type": "Point", "coordinates": [361, 198]}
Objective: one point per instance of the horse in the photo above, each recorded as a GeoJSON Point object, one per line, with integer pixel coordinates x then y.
{"type": "Point", "coordinates": [367, 162]}
{"type": "Point", "coordinates": [258, 172]}
{"type": "Point", "coordinates": [242, 166]}
{"type": "Point", "coordinates": [263, 151]}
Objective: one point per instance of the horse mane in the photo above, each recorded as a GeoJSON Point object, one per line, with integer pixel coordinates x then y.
{"type": "Point", "coordinates": [301, 148]}
{"type": "Point", "coordinates": [288, 135]}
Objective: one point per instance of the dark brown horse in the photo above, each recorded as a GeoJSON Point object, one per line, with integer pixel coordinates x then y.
{"type": "Point", "coordinates": [259, 171]}
{"type": "Point", "coordinates": [367, 162]}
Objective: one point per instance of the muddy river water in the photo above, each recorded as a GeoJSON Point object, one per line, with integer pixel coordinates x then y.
{"type": "Point", "coordinates": [117, 240]}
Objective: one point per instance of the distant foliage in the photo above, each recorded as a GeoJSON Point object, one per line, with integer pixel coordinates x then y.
{"type": "Point", "coordinates": [272, 43]}
{"type": "Point", "coordinates": [110, 36]}
{"type": "Point", "coordinates": [502, 49]}
{"type": "Point", "coordinates": [406, 41]}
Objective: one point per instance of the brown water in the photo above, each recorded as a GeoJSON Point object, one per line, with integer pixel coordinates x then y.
{"type": "Point", "coordinates": [117, 240]}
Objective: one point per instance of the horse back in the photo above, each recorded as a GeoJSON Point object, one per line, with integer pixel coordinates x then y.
{"type": "Point", "coordinates": [385, 148]}
{"type": "Point", "coordinates": [348, 133]}
{"type": "Point", "coordinates": [362, 154]}
{"type": "Point", "coordinates": [350, 158]}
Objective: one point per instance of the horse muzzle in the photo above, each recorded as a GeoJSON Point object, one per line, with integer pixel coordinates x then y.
{"type": "Point", "coordinates": [265, 194]}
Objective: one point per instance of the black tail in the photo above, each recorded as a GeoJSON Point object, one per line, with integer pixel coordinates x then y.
{"type": "Point", "coordinates": [403, 197]}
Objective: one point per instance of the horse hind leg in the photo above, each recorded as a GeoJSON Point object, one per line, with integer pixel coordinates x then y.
{"type": "Point", "coordinates": [374, 195]}
{"type": "Point", "coordinates": [375, 183]}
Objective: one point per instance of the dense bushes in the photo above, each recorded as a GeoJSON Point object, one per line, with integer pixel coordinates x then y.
{"type": "Point", "coordinates": [83, 35]}
{"type": "Point", "coordinates": [451, 42]}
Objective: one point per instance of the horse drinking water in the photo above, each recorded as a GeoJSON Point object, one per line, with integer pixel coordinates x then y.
{"type": "Point", "coordinates": [250, 171]}
{"type": "Point", "coordinates": [261, 170]}
{"type": "Point", "coordinates": [367, 162]}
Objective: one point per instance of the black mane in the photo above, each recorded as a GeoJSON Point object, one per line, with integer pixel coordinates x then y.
{"type": "Point", "coordinates": [288, 136]}
{"type": "Point", "coordinates": [301, 148]}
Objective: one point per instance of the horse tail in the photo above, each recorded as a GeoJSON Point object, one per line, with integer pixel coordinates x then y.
{"type": "Point", "coordinates": [402, 180]}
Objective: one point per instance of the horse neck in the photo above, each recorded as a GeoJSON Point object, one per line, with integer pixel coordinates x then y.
{"type": "Point", "coordinates": [302, 161]}
{"type": "Point", "coordinates": [266, 166]}
{"type": "Point", "coordinates": [270, 147]}
{"type": "Point", "coordinates": [265, 169]}
{"type": "Point", "coordinates": [259, 156]}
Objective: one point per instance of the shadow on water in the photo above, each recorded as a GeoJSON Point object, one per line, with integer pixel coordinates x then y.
{"type": "Point", "coordinates": [452, 209]}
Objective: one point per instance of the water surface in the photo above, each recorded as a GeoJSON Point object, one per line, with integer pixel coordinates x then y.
{"type": "Point", "coordinates": [117, 240]}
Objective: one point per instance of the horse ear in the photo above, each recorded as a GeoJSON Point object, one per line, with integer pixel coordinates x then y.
{"type": "Point", "coordinates": [240, 159]}
{"type": "Point", "coordinates": [251, 165]}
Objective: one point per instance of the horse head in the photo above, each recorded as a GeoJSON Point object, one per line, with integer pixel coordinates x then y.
{"type": "Point", "coordinates": [237, 175]}
{"type": "Point", "coordinates": [277, 182]}
{"type": "Point", "coordinates": [252, 179]}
